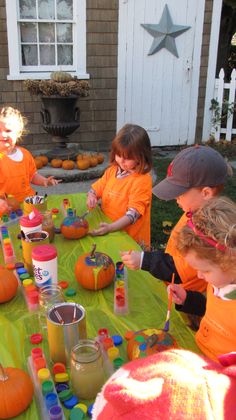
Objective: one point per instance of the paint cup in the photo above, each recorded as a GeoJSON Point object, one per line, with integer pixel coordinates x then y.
{"type": "Point", "coordinates": [28, 243]}
{"type": "Point", "coordinates": [31, 222]}
{"type": "Point", "coordinates": [66, 324]}
{"type": "Point", "coordinates": [44, 260]}
{"type": "Point", "coordinates": [38, 202]}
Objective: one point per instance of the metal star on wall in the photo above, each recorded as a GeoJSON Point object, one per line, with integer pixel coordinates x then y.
{"type": "Point", "coordinates": [164, 33]}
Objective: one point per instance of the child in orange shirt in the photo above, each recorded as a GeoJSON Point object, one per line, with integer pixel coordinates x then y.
{"type": "Point", "coordinates": [208, 243]}
{"type": "Point", "coordinates": [196, 174]}
{"type": "Point", "coordinates": [125, 189]}
{"type": "Point", "coordinates": [17, 166]}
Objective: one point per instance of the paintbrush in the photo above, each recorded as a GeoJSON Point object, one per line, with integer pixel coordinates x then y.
{"type": "Point", "coordinates": [167, 323]}
{"type": "Point", "coordinates": [59, 317]}
{"type": "Point", "coordinates": [74, 314]}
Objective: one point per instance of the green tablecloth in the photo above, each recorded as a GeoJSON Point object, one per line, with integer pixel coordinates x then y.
{"type": "Point", "coordinates": [147, 296]}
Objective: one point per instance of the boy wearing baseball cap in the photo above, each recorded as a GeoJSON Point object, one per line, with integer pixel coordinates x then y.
{"type": "Point", "coordinates": [196, 174]}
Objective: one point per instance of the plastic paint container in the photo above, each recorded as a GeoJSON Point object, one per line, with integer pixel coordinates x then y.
{"type": "Point", "coordinates": [31, 224]}
{"type": "Point", "coordinates": [44, 260]}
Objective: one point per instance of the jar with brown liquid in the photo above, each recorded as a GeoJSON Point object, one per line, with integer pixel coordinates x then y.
{"type": "Point", "coordinates": [48, 225]}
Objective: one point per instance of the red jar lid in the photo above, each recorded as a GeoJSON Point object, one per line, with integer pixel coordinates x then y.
{"type": "Point", "coordinates": [25, 221]}
{"type": "Point", "coordinates": [44, 253]}
{"type": "Point", "coordinates": [33, 296]}
{"type": "Point", "coordinates": [36, 352]}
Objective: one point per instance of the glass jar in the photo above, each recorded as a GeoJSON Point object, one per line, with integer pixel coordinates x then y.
{"type": "Point", "coordinates": [48, 225]}
{"type": "Point", "coordinates": [87, 369]}
{"type": "Point", "coordinates": [48, 296]}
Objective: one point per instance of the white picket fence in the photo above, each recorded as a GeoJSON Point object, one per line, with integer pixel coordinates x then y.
{"type": "Point", "coordinates": [219, 95]}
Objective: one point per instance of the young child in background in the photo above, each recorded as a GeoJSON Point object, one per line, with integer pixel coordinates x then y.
{"type": "Point", "coordinates": [125, 189]}
{"type": "Point", "coordinates": [195, 175]}
{"type": "Point", "coordinates": [208, 243]}
{"type": "Point", "coordinates": [17, 166]}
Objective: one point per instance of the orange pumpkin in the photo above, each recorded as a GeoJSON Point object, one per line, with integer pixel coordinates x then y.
{"type": "Point", "coordinates": [93, 161]}
{"type": "Point", "coordinates": [74, 227]}
{"type": "Point", "coordinates": [56, 163]}
{"type": "Point", "coordinates": [8, 286]}
{"type": "Point", "coordinates": [44, 159]}
{"type": "Point", "coordinates": [100, 158]}
{"type": "Point", "coordinates": [38, 163]}
{"type": "Point", "coordinates": [94, 270]}
{"type": "Point", "coordinates": [16, 390]}
{"type": "Point", "coordinates": [68, 164]}
{"type": "Point", "coordinates": [83, 163]}
{"type": "Point", "coordinates": [154, 340]}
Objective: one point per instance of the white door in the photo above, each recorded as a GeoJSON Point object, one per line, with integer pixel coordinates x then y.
{"type": "Point", "coordinates": [159, 91]}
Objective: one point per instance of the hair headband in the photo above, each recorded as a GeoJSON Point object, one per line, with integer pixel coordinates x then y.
{"type": "Point", "coordinates": [205, 238]}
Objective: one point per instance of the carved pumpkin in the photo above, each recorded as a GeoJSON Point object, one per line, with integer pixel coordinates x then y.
{"type": "Point", "coordinates": [56, 163]}
{"type": "Point", "coordinates": [74, 227]}
{"type": "Point", "coordinates": [38, 163]}
{"type": "Point", "coordinates": [94, 270]}
{"type": "Point", "coordinates": [83, 163]}
{"type": "Point", "coordinates": [16, 390]}
{"type": "Point", "coordinates": [68, 164]}
{"type": "Point", "coordinates": [8, 286]}
{"type": "Point", "coordinates": [44, 159]}
{"type": "Point", "coordinates": [148, 341]}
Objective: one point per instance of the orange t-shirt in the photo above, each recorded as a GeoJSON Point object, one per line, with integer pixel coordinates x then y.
{"type": "Point", "coordinates": [217, 331]}
{"type": "Point", "coordinates": [15, 176]}
{"type": "Point", "coordinates": [119, 194]}
{"type": "Point", "coordinates": [188, 275]}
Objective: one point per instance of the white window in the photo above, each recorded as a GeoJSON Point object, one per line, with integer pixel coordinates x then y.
{"type": "Point", "coordinates": [46, 36]}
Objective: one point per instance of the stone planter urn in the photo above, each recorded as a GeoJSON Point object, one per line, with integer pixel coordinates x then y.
{"type": "Point", "coordinates": [60, 118]}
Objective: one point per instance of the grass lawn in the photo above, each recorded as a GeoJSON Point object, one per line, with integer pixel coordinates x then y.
{"type": "Point", "coordinates": [168, 210]}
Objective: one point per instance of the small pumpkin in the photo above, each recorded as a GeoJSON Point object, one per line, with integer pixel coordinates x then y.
{"type": "Point", "coordinates": [100, 158]}
{"type": "Point", "coordinates": [68, 164]}
{"type": "Point", "coordinates": [93, 161]}
{"type": "Point", "coordinates": [8, 286]}
{"type": "Point", "coordinates": [13, 202]}
{"type": "Point", "coordinates": [38, 163]}
{"type": "Point", "coordinates": [148, 341]}
{"type": "Point", "coordinates": [44, 159]}
{"type": "Point", "coordinates": [83, 163]}
{"type": "Point", "coordinates": [56, 163]}
{"type": "Point", "coordinates": [94, 270]}
{"type": "Point", "coordinates": [74, 227]}
{"type": "Point", "coordinates": [16, 390]}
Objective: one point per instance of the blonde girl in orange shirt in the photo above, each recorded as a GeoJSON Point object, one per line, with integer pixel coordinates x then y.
{"type": "Point", "coordinates": [125, 189]}
{"type": "Point", "coordinates": [208, 244]}
{"type": "Point", "coordinates": [17, 166]}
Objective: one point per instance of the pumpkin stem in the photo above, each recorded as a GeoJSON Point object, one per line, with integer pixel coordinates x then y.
{"type": "Point", "coordinates": [3, 375]}
{"type": "Point", "coordinates": [92, 255]}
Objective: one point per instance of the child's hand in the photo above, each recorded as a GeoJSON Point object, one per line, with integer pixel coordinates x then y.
{"type": "Point", "coordinates": [52, 181]}
{"type": "Point", "coordinates": [179, 294]}
{"type": "Point", "coordinates": [102, 230]}
{"type": "Point", "coordinates": [131, 259]}
{"type": "Point", "coordinates": [91, 200]}
{"type": "Point", "coordinates": [4, 208]}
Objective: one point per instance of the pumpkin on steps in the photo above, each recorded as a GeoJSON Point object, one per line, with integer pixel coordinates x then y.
{"type": "Point", "coordinates": [8, 286]}
{"type": "Point", "coordinates": [44, 159]}
{"type": "Point", "coordinates": [68, 164]}
{"type": "Point", "coordinates": [83, 163]}
{"type": "Point", "coordinates": [38, 162]}
{"type": "Point", "coordinates": [16, 390]}
{"type": "Point", "coordinates": [74, 227]}
{"type": "Point", "coordinates": [100, 158]}
{"type": "Point", "coordinates": [56, 163]}
{"type": "Point", "coordinates": [94, 270]}
{"type": "Point", "coordinates": [93, 161]}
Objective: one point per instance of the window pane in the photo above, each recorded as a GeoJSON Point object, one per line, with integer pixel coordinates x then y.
{"type": "Point", "coordinates": [64, 32]}
{"type": "Point", "coordinates": [29, 55]}
{"type": "Point", "coordinates": [28, 32]}
{"type": "Point", "coordinates": [64, 54]}
{"type": "Point", "coordinates": [46, 9]}
{"type": "Point", "coordinates": [47, 54]}
{"type": "Point", "coordinates": [27, 9]}
{"type": "Point", "coordinates": [46, 32]}
{"type": "Point", "coordinates": [65, 9]}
